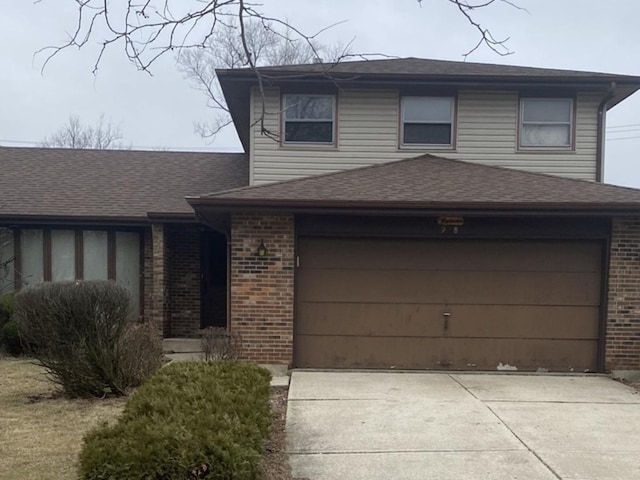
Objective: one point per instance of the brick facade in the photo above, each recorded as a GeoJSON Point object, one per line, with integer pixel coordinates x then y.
{"type": "Point", "coordinates": [184, 280]}
{"type": "Point", "coordinates": [622, 350]}
{"type": "Point", "coordinates": [147, 274]}
{"type": "Point", "coordinates": [159, 290]}
{"type": "Point", "coordinates": [262, 287]}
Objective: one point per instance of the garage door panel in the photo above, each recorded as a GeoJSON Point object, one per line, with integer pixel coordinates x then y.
{"type": "Point", "coordinates": [405, 320]}
{"type": "Point", "coordinates": [452, 354]}
{"type": "Point", "coordinates": [380, 303]}
{"type": "Point", "coordinates": [367, 352]}
{"type": "Point", "coordinates": [523, 354]}
{"type": "Point", "coordinates": [383, 254]}
{"type": "Point", "coordinates": [417, 286]}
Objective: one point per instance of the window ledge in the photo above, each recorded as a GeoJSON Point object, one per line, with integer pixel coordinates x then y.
{"type": "Point", "coordinates": [308, 146]}
{"type": "Point", "coordinates": [545, 150]}
{"type": "Point", "coordinates": [447, 148]}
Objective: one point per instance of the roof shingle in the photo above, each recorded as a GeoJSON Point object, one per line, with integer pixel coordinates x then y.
{"type": "Point", "coordinates": [110, 184]}
{"type": "Point", "coordinates": [431, 182]}
{"type": "Point", "coordinates": [425, 67]}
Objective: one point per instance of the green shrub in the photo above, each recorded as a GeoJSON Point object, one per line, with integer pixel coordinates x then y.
{"type": "Point", "coordinates": [78, 332]}
{"type": "Point", "coordinates": [190, 420]}
{"type": "Point", "coordinates": [10, 339]}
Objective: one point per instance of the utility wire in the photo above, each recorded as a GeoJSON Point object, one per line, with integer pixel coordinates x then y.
{"type": "Point", "coordinates": [612, 127]}
{"type": "Point", "coordinates": [622, 138]}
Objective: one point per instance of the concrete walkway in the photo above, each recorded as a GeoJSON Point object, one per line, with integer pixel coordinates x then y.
{"type": "Point", "coordinates": [370, 425]}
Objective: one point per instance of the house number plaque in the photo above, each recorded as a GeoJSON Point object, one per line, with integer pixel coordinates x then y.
{"type": "Point", "coordinates": [451, 224]}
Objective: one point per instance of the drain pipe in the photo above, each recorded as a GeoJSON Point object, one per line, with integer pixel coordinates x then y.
{"type": "Point", "coordinates": [602, 108]}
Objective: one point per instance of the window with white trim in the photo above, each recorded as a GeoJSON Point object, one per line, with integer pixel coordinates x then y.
{"type": "Point", "coordinates": [309, 118]}
{"type": "Point", "coordinates": [546, 122]}
{"type": "Point", "coordinates": [427, 121]}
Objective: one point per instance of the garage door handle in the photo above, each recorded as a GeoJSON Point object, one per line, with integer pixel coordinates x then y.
{"type": "Point", "coordinates": [446, 320]}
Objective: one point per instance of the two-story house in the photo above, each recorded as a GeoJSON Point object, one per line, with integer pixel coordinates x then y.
{"type": "Point", "coordinates": [400, 213]}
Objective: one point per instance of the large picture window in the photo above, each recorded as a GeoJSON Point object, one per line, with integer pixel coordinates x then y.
{"type": "Point", "coordinates": [63, 254]}
{"type": "Point", "coordinates": [309, 118]}
{"type": "Point", "coordinates": [7, 273]}
{"type": "Point", "coordinates": [427, 121]}
{"type": "Point", "coordinates": [546, 122]}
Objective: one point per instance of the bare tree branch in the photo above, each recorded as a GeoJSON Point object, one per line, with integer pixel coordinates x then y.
{"type": "Point", "coordinates": [76, 135]}
{"type": "Point", "coordinates": [221, 33]}
{"type": "Point", "coordinates": [468, 8]}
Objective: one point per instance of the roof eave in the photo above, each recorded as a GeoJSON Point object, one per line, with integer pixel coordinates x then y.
{"type": "Point", "coordinates": [46, 219]}
{"type": "Point", "coordinates": [423, 208]}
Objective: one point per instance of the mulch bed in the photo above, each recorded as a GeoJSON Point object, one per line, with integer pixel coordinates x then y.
{"type": "Point", "coordinates": [275, 461]}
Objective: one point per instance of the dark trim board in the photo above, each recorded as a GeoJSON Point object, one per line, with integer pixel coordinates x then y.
{"type": "Point", "coordinates": [472, 227]}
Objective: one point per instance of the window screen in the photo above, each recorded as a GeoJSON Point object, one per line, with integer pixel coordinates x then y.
{"type": "Point", "coordinates": [546, 122]}
{"type": "Point", "coordinates": [32, 257]}
{"type": "Point", "coordinates": [308, 118]}
{"type": "Point", "coordinates": [128, 265]}
{"type": "Point", "coordinates": [427, 121]}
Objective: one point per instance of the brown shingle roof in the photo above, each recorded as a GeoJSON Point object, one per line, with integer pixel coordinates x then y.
{"type": "Point", "coordinates": [424, 67]}
{"type": "Point", "coordinates": [110, 184]}
{"type": "Point", "coordinates": [429, 182]}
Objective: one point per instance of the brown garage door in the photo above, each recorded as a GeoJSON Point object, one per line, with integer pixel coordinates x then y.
{"type": "Point", "coordinates": [464, 305]}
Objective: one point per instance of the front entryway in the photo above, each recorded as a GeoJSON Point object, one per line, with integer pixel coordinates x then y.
{"type": "Point", "coordinates": [213, 276]}
{"type": "Point", "coordinates": [456, 304]}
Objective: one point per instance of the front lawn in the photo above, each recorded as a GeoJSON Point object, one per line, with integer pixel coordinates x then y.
{"type": "Point", "coordinates": [41, 432]}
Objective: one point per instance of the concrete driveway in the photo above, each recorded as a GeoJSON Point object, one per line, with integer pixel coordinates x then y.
{"type": "Point", "coordinates": [392, 425]}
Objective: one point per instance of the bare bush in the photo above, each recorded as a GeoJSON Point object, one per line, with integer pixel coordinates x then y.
{"type": "Point", "coordinates": [81, 332]}
{"type": "Point", "coordinates": [220, 344]}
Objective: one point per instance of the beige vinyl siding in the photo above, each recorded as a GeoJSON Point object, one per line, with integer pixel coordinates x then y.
{"type": "Point", "coordinates": [368, 128]}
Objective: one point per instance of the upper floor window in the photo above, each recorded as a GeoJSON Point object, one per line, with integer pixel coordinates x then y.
{"type": "Point", "coordinates": [427, 121]}
{"type": "Point", "coordinates": [546, 122]}
{"type": "Point", "coordinates": [309, 118]}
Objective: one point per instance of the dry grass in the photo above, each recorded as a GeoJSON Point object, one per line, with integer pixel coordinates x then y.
{"type": "Point", "coordinates": [40, 431]}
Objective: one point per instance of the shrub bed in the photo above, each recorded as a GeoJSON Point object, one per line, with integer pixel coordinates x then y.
{"type": "Point", "coordinates": [83, 334]}
{"type": "Point", "coordinates": [190, 420]}
{"type": "Point", "coordinates": [9, 338]}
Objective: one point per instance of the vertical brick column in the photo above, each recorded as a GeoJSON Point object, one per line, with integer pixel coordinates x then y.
{"type": "Point", "coordinates": [147, 272]}
{"type": "Point", "coordinates": [262, 287]}
{"type": "Point", "coordinates": [622, 351]}
{"type": "Point", "coordinates": [184, 281]}
{"type": "Point", "coordinates": [160, 279]}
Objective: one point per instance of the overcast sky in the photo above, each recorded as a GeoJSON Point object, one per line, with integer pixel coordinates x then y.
{"type": "Point", "coordinates": [158, 111]}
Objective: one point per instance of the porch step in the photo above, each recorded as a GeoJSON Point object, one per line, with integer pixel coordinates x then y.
{"type": "Point", "coordinates": [181, 345]}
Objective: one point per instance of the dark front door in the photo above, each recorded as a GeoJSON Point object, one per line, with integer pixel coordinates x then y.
{"type": "Point", "coordinates": [213, 274]}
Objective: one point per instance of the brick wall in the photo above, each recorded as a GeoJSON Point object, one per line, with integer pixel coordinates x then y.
{"type": "Point", "coordinates": [184, 280]}
{"type": "Point", "coordinates": [159, 280]}
{"type": "Point", "coordinates": [623, 316]}
{"type": "Point", "coordinates": [147, 273]}
{"type": "Point", "coordinates": [262, 287]}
